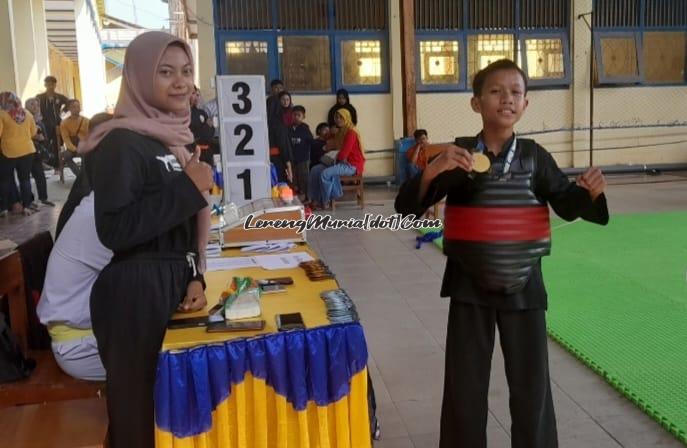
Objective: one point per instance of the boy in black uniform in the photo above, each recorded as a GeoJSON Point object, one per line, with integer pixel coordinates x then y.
{"type": "Point", "coordinates": [301, 139]}
{"type": "Point", "coordinates": [495, 231]}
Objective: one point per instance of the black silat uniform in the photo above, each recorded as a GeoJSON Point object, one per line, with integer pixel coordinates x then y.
{"type": "Point", "coordinates": [475, 310]}
{"type": "Point", "coordinates": [145, 211]}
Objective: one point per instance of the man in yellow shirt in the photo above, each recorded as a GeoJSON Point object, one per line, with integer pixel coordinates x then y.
{"type": "Point", "coordinates": [17, 129]}
{"type": "Point", "coordinates": [73, 129]}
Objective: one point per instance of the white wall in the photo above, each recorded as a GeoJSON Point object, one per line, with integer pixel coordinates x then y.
{"type": "Point", "coordinates": [91, 61]}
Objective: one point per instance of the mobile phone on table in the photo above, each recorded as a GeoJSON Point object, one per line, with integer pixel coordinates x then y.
{"type": "Point", "coordinates": [276, 281]}
{"type": "Point", "coordinates": [188, 322]}
{"type": "Point", "coordinates": [290, 321]}
{"type": "Point", "coordinates": [226, 326]}
{"type": "Point", "coordinates": [272, 288]}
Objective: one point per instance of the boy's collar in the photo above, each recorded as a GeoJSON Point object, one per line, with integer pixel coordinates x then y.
{"type": "Point", "coordinates": [483, 148]}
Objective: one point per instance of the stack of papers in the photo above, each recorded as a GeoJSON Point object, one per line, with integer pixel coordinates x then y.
{"type": "Point", "coordinates": [269, 262]}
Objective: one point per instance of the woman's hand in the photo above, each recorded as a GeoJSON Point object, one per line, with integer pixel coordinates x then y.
{"type": "Point", "coordinates": [195, 298]}
{"type": "Point", "coordinates": [199, 172]}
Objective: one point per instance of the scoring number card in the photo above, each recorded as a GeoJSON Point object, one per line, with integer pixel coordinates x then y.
{"type": "Point", "coordinates": [245, 141]}
{"type": "Point", "coordinates": [244, 138]}
{"type": "Point", "coordinates": [245, 182]}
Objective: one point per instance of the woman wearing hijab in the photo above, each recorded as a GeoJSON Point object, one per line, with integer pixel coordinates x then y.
{"type": "Point", "coordinates": [17, 129]}
{"type": "Point", "coordinates": [325, 182]}
{"type": "Point", "coordinates": [342, 101]}
{"type": "Point", "coordinates": [150, 210]}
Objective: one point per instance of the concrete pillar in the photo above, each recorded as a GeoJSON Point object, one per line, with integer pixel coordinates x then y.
{"type": "Point", "coordinates": [41, 39]}
{"type": "Point", "coordinates": [206, 60]}
{"type": "Point", "coordinates": [91, 64]}
{"type": "Point", "coordinates": [28, 83]}
{"type": "Point", "coordinates": [395, 68]}
{"type": "Point", "coordinates": [8, 70]}
{"type": "Point", "coordinates": [581, 64]}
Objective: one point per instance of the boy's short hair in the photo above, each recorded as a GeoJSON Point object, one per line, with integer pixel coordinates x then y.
{"type": "Point", "coordinates": [419, 133]}
{"type": "Point", "coordinates": [502, 64]}
{"type": "Point", "coordinates": [299, 108]}
{"type": "Point", "coordinates": [276, 82]}
{"type": "Point", "coordinates": [320, 126]}
{"type": "Point", "coordinates": [50, 78]}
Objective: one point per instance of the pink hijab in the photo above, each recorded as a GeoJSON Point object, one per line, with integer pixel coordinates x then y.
{"type": "Point", "coordinates": [135, 111]}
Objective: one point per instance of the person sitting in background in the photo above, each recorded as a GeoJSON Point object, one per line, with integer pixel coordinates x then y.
{"type": "Point", "coordinates": [342, 101]}
{"type": "Point", "coordinates": [317, 146]}
{"type": "Point", "coordinates": [73, 129]}
{"type": "Point", "coordinates": [17, 129]}
{"type": "Point", "coordinates": [417, 157]}
{"type": "Point", "coordinates": [40, 141]}
{"type": "Point", "coordinates": [301, 138]}
{"type": "Point", "coordinates": [325, 181]}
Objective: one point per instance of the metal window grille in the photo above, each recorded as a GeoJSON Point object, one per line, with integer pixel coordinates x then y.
{"type": "Point", "coordinates": [491, 14]}
{"type": "Point", "coordinates": [360, 14]}
{"type": "Point", "coordinates": [438, 14]}
{"type": "Point", "coordinates": [616, 13]}
{"type": "Point", "coordinates": [665, 13]}
{"type": "Point", "coordinates": [537, 14]}
{"type": "Point", "coordinates": [302, 15]}
{"type": "Point", "coordinates": [244, 14]}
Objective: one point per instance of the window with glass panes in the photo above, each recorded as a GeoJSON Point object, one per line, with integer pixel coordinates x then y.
{"type": "Point", "coordinates": [640, 41]}
{"type": "Point", "coordinates": [457, 38]}
{"type": "Point", "coordinates": [314, 46]}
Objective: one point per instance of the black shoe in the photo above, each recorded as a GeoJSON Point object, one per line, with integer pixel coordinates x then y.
{"type": "Point", "coordinates": [48, 203]}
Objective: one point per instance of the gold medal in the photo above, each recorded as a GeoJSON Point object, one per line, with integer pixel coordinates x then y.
{"type": "Point", "coordinates": [480, 163]}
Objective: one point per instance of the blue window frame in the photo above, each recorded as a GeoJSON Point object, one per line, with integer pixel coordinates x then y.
{"type": "Point", "coordinates": [618, 57]}
{"type": "Point", "coordinates": [528, 31]}
{"type": "Point", "coordinates": [552, 56]}
{"type": "Point", "coordinates": [650, 33]}
{"type": "Point", "coordinates": [444, 52]}
{"type": "Point", "coordinates": [372, 71]}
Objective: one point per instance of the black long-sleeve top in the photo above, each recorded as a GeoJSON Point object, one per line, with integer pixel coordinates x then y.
{"type": "Point", "coordinates": [201, 129]}
{"type": "Point", "coordinates": [144, 202]}
{"type": "Point", "coordinates": [568, 200]}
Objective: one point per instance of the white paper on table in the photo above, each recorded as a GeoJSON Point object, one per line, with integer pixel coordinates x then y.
{"type": "Point", "coordinates": [282, 261]}
{"type": "Point", "coordinates": [230, 263]}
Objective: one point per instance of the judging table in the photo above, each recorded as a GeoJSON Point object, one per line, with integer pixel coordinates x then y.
{"type": "Point", "coordinates": [301, 388]}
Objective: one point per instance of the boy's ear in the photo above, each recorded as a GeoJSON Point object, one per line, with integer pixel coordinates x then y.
{"type": "Point", "coordinates": [476, 105]}
{"type": "Point", "coordinates": [527, 102]}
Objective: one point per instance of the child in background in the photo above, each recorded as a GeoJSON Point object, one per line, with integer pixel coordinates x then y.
{"type": "Point", "coordinates": [417, 158]}
{"type": "Point", "coordinates": [317, 147]}
{"type": "Point", "coordinates": [301, 139]}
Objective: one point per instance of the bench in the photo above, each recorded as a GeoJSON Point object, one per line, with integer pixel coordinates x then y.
{"type": "Point", "coordinates": [48, 382]}
{"type": "Point", "coordinates": [62, 424]}
{"type": "Point", "coordinates": [352, 184]}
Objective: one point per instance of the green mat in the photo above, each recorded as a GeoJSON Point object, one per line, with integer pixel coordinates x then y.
{"type": "Point", "coordinates": [618, 302]}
